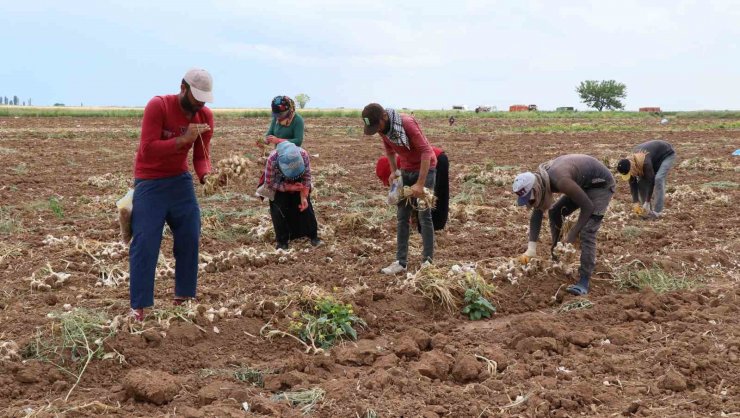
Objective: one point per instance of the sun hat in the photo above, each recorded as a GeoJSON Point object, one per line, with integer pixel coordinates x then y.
{"type": "Point", "coordinates": [371, 115]}
{"type": "Point", "coordinates": [290, 160]}
{"type": "Point", "coordinates": [523, 185]}
{"type": "Point", "coordinates": [201, 84]}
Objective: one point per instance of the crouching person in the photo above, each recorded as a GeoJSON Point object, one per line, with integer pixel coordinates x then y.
{"type": "Point", "coordinates": [646, 170]}
{"type": "Point", "coordinates": [288, 176]}
{"type": "Point", "coordinates": [586, 184]}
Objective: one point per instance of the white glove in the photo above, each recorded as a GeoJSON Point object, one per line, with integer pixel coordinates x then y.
{"type": "Point", "coordinates": [531, 249]}
{"type": "Point", "coordinates": [529, 254]}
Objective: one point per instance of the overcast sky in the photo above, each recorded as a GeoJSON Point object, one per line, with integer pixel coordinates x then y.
{"type": "Point", "coordinates": [677, 54]}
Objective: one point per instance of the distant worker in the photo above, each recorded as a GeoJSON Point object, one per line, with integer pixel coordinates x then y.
{"type": "Point", "coordinates": [646, 170]}
{"type": "Point", "coordinates": [402, 137]}
{"type": "Point", "coordinates": [286, 124]}
{"type": "Point", "coordinates": [452, 120]}
{"type": "Point", "coordinates": [441, 186]}
{"type": "Point", "coordinates": [172, 125]}
{"type": "Point", "coordinates": [586, 184]}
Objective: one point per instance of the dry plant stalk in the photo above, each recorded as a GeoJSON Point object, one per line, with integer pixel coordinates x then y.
{"type": "Point", "coordinates": [576, 305]}
{"type": "Point", "coordinates": [229, 168]}
{"type": "Point", "coordinates": [353, 222]}
{"type": "Point", "coordinates": [434, 284]}
{"type": "Point", "coordinates": [447, 287]}
{"type": "Point", "coordinates": [428, 201]}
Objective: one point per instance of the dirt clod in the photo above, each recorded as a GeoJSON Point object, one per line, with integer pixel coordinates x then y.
{"type": "Point", "coordinates": [151, 386]}
{"type": "Point", "coordinates": [434, 365]}
{"type": "Point", "coordinates": [673, 380]}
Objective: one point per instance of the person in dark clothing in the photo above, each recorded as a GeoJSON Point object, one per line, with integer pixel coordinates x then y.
{"type": "Point", "coordinates": [288, 176]}
{"type": "Point", "coordinates": [587, 185]}
{"type": "Point", "coordinates": [451, 120]}
{"type": "Point", "coordinates": [646, 171]}
{"type": "Point", "coordinates": [441, 210]}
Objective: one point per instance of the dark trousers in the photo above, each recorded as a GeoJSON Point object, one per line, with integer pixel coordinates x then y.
{"type": "Point", "coordinates": [403, 214]}
{"type": "Point", "coordinates": [600, 198]}
{"type": "Point", "coordinates": [442, 191]}
{"type": "Point", "coordinates": [289, 222]}
{"type": "Point", "coordinates": [157, 201]}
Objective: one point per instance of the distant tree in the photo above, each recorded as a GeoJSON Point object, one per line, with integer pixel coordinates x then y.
{"type": "Point", "coordinates": [601, 95]}
{"type": "Point", "coordinates": [15, 100]}
{"type": "Point", "coordinates": [29, 101]}
{"type": "Point", "coordinates": [6, 100]}
{"type": "Point", "coordinates": [59, 104]}
{"type": "Point", "coordinates": [302, 99]}
{"type": "Point", "coordinates": [24, 103]}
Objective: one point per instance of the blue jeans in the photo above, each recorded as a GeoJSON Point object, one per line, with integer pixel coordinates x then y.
{"type": "Point", "coordinates": [659, 188]}
{"type": "Point", "coordinates": [403, 214]}
{"type": "Point", "coordinates": [157, 201]}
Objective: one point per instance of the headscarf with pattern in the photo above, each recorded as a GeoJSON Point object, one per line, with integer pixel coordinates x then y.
{"type": "Point", "coordinates": [281, 104]}
{"type": "Point", "coordinates": [396, 135]}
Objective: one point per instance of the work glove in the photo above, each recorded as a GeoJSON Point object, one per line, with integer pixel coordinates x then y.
{"type": "Point", "coordinates": [637, 209]}
{"type": "Point", "coordinates": [529, 254]}
{"type": "Point", "coordinates": [646, 210]}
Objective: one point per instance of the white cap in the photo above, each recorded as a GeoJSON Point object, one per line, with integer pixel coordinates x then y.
{"type": "Point", "coordinates": [523, 184]}
{"type": "Point", "coordinates": [201, 84]}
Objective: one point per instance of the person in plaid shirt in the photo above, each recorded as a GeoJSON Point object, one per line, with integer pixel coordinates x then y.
{"type": "Point", "coordinates": [288, 176]}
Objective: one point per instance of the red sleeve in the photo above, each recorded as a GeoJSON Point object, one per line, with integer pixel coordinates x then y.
{"type": "Point", "coordinates": [202, 147]}
{"type": "Point", "coordinates": [417, 139]}
{"type": "Point", "coordinates": [387, 146]}
{"type": "Point", "coordinates": [152, 145]}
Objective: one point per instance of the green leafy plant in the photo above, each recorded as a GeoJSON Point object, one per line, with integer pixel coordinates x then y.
{"type": "Point", "coordinates": [476, 306]}
{"type": "Point", "coordinates": [56, 207]}
{"type": "Point", "coordinates": [327, 322]}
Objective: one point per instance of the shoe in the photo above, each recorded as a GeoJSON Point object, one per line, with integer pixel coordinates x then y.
{"type": "Point", "coordinates": [137, 314]}
{"type": "Point", "coordinates": [394, 268]}
{"type": "Point", "coordinates": [316, 242]}
{"type": "Point", "coordinates": [426, 264]}
{"type": "Point", "coordinates": [180, 300]}
{"type": "Point", "coordinates": [282, 246]}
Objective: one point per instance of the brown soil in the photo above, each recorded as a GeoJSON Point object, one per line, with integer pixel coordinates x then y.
{"type": "Point", "coordinates": [632, 353]}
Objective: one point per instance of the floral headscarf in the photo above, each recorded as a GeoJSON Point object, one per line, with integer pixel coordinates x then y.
{"type": "Point", "coordinates": [281, 104]}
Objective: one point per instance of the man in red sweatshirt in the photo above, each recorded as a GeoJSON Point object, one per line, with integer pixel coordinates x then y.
{"type": "Point", "coordinates": [402, 137]}
{"type": "Point", "coordinates": [164, 191]}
